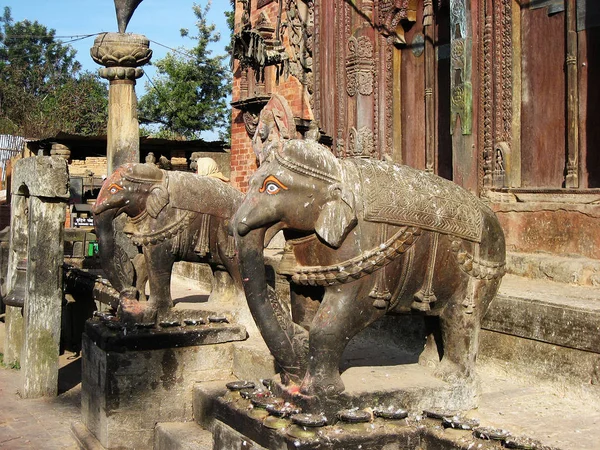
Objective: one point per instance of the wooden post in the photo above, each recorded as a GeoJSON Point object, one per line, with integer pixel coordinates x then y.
{"type": "Point", "coordinates": [429, 86]}
{"type": "Point", "coordinates": [572, 166]}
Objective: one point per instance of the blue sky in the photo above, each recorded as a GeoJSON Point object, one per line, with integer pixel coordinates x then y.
{"type": "Point", "coordinates": [158, 20]}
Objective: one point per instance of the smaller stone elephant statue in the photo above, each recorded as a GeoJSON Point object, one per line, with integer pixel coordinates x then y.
{"type": "Point", "coordinates": [365, 238]}
{"type": "Point", "coordinates": [172, 216]}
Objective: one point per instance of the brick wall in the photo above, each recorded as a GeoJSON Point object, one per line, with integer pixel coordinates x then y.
{"type": "Point", "coordinates": [243, 160]}
{"type": "Point", "coordinates": [80, 167]}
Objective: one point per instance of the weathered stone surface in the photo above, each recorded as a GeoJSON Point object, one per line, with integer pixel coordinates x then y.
{"type": "Point", "coordinates": [39, 192]}
{"type": "Point", "coordinates": [226, 437]}
{"type": "Point", "coordinates": [182, 436]}
{"type": "Point", "coordinates": [122, 340]}
{"type": "Point", "coordinates": [252, 361]}
{"type": "Point", "coordinates": [126, 392]}
{"type": "Point", "coordinates": [568, 324]}
{"type": "Point", "coordinates": [14, 335]}
{"type": "Point", "coordinates": [562, 269]}
{"type": "Point", "coordinates": [552, 363]}
{"type": "Point", "coordinates": [42, 311]}
{"type": "Point", "coordinates": [41, 176]}
{"type": "Point", "coordinates": [559, 228]}
{"type": "Point", "coordinates": [205, 394]}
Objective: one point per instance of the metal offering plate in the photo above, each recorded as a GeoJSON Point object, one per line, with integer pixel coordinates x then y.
{"type": "Point", "coordinates": [239, 385]}
{"type": "Point", "coordinates": [170, 324]}
{"type": "Point", "coordinates": [435, 414]}
{"type": "Point", "coordinates": [309, 420]}
{"type": "Point", "coordinates": [522, 442]}
{"type": "Point", "coordinates": [460, 423]}
{"type": "Point", "coordinates": [282, 409]}
{"type": "Point", "coordinates": [194, 322]}
{"type": "Point", "coordinates": [491, 434]}
{"type": "Point", "coordinates": [354, 416]}
{"type": "Point", "coordinates": [260, 402]}
{"type": "Point", "coordinates": [391, 413]}
{"type": "Point", "coordinates": [218, 319]}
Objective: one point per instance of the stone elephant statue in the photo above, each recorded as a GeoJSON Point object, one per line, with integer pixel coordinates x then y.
{"type": "Point", "coordinates": [364, 238]}
{"type": "Point", "coordinates": [172, 216]}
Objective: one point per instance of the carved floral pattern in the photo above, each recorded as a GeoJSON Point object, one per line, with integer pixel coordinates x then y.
{"type": "Point", "coordinates": [360, 143]}
{"type": "Point", "coordinates": [359, 66]}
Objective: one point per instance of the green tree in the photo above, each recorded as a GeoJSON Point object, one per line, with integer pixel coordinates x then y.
{"type": "Point", "coordinates": [41, 88]}
{"type": "Point", "coordinates": [189, 93]}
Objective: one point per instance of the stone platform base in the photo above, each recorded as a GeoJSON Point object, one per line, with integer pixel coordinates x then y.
{"type": "Point", "coordinates": [409, 386]}
{"type": "Point", "coordinates": [134, 378]}
{"type": "Point", "coordinates": [239, 427]}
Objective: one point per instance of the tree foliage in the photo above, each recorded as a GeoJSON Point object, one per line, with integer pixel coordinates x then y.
{"type": "Point", "coordinates": [42, 90]}
{"type": "Point", "coordinates": [189, 93]}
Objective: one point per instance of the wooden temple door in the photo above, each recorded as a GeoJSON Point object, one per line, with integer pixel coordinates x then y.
{"type": "Point", "coordinates": [383, 82]}
{"type": "Point", "coordinates": [541, 61]}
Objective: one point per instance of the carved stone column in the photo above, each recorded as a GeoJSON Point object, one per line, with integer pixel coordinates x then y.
{"type": "Point", "coordinates": [122, 54]}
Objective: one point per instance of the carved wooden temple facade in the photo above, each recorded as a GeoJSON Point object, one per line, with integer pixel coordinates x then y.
{"type": "Point", "coordinates": [500, 96]}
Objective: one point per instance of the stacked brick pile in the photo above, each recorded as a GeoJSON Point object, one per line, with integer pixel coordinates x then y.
{"type": "Point", "coordinates": [96, 165]}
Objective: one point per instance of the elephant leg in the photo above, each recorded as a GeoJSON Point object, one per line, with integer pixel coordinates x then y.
{"type": "Point", "coordinates": [341, 316]}
{"type": "Point", "coordinates": [460, 324]}
{"type": "Point", "coordinates": [159, 261]}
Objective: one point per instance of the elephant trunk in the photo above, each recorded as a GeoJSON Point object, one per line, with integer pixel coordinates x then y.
{"type": "Point", "coordinates": [286, 340]}
{"type": "Point", "coordinates": [115, 263]}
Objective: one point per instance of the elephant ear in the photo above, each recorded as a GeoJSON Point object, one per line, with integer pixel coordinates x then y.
{"type": "Point", "coordinates": [337, 217]}
{"type": "Point", "coordinates": [157, 200]}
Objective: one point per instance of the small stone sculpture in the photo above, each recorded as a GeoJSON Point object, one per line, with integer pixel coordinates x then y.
{"type": "Point", "coordinates": [172, 216]}
{"type": "Point", "coordinates": [375, 238]}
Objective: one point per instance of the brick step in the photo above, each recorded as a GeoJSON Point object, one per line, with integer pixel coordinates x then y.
{"type": "Point", "coordinates": [544, 328]}
{"type": "Point", "coordinates": [182, 436]}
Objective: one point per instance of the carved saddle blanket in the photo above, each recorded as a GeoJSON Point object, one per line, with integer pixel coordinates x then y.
{"type": "Point", "coordinates": [401, 195]}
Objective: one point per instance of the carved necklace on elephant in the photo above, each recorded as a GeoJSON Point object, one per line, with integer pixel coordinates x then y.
{"type": "Point", "coordinates": [180, 225]}
{"type": "Point", "coordinates": [352, 269]}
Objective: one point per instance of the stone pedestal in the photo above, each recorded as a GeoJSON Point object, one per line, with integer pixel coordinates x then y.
{"type": "Point", "coordinates": [121, 54]}
{"type": "Point", "coordinates": [409, 387]}
{"type": "Point", "coordinates": [134, 378]}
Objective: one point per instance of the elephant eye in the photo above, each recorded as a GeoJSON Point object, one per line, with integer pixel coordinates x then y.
{"type": "Point", "coordinates": [272, 185]}
{"type": "Point", "coordinates": [114, 188]}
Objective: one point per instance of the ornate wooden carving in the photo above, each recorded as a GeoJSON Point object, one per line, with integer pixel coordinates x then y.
{"type": "Point", "coordinates": [429, 86]}
{"type": "Point", "coordinates": [360, 143]}
{"type": "Point", "coordinates": [486, 98]}
{"type": "Point", "coordinates": [496, 91]}
{"type": "Point", "coordinates": [460, 79]}
{"type": "Point", "coordinates": [572, 178]}
{"type": "Point", "coordinates": [300, 28]}
{"type": "Point", "coordinates": [359, 66]}
{"type": "Point", "coordinates": [261, 3]}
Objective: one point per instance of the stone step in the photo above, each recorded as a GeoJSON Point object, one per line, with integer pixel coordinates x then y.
{"type": "Point", "coordinates": [545, 328]}
{"type": "Point", "coordinates": [182, 436]}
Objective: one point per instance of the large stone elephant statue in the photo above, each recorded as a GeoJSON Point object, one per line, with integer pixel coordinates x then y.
{"type": "Point", "coordinates": [172, 216]}
{"type": "Point", "coordinates": [364, 238]}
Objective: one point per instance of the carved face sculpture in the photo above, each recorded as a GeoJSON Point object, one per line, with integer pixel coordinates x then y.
{"type": "Point", "coordinates": [298, 187]}
{"type": "Point", "coordinates": [122, 187]}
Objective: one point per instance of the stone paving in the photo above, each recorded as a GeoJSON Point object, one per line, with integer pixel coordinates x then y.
{"type": "Point", "coordinates": [40, 424]}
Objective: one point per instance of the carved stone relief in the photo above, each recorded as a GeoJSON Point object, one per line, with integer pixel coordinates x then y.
{"type": "Point", "coordinates": [359, 66]}
{"type": "Point", "coordinates": [300, 25]}
{"type": "Point", "coordinates": [360, 143]}
{"type": "Point", "coordinates": [460, 79]}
